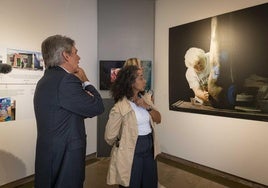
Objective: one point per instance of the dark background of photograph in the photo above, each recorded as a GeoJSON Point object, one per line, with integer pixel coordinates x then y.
{"type": "Point", "coordinates": [243, 42]}
{"type": "Point", "coordinates": [107, 65]}
{"type": "Point", "coordinates": [105, 72]}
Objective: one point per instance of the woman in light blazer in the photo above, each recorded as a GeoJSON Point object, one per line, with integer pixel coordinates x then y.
{"type": "Point", "coordinates": [131, 131]}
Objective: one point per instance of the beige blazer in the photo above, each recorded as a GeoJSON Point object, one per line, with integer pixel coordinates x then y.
{"type": "Point", "coordinates": [122, 124]}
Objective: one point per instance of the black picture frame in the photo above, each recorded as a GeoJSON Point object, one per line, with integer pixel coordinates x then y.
{"type": "Point", "coordinates": [244, 42]}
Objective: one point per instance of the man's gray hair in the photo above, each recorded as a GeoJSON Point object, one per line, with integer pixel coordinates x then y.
{"type": "Point", "coordinates": [193, 55]}
{"type": "Point", "coordinates": [53, 47]}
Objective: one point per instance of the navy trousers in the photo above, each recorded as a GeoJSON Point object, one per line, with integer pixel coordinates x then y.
{"type": "Point", "coordinates": [144, 167]}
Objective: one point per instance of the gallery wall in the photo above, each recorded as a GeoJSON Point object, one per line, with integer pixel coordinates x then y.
{"type": "Point", "coordinates": [232, 145]}
{"type": "Point", "coordinates": [125, 30]}
{"type": "Point", "coordinates": [235, 146]}
{"type": "Point", "coordinates": [24, 25]}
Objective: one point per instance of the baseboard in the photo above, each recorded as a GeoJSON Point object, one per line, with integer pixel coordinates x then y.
{"type": "Point", "coordinates": [19, 182]}
{"type": "Point", "coordinates": [223, 178]}
{"type": "Point", "coordinates": [91, 158]}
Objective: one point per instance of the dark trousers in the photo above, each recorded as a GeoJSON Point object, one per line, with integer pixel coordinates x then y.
{"type": "Point", "coordinates": [144, 167]}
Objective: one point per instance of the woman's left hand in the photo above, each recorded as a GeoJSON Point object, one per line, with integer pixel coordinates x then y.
{"type": "Point", "coordinates": [140, 102]}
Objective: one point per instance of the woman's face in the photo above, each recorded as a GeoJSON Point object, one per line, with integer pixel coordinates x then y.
{"type": "Point", "coordinates": [140, 82]}
{"type": "Point", "coordinates": [200, 65]}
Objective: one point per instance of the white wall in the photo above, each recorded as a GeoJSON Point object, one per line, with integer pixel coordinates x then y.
{"type": "Point", "coordinates": [24, 25]}
{"type": "Point", "coordinates": [235, 146]}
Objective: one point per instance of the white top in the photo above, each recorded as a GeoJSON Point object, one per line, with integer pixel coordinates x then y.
{"type": "Point", "coordinates": [143, 119]}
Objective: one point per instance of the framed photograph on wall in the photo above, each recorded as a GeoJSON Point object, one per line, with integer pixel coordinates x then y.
{"type": "Point", "coordinates": [218, 65]}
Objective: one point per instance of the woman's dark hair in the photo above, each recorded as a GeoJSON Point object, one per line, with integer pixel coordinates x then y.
{"type": "Point", "coordinates": [122, 86]}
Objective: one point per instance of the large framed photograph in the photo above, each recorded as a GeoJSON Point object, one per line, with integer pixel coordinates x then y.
{"type": "Point", "coordinates": [219, 65]}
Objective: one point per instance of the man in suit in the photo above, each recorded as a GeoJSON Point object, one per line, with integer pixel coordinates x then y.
{"type": "Point", "coordinates": [63, 98]}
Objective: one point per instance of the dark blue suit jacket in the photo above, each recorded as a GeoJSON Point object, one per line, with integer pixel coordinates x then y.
{"type": "Point", "coordinates": [61, 105]}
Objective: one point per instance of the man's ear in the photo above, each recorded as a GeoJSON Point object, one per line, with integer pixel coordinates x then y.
{"type": "Point", "coordinates": [65, 56]}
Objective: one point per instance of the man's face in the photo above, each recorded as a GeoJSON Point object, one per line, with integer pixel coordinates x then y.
{"type": "Point", "coordinates": [74, 60]}
{"type": "Point", "coordinates": [199, 66]}
{"type": "Point", "coordinates": [71, 60]}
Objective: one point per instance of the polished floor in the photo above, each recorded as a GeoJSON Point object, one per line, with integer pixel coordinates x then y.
{"type": "Point", "coordinates": [171, 175]}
